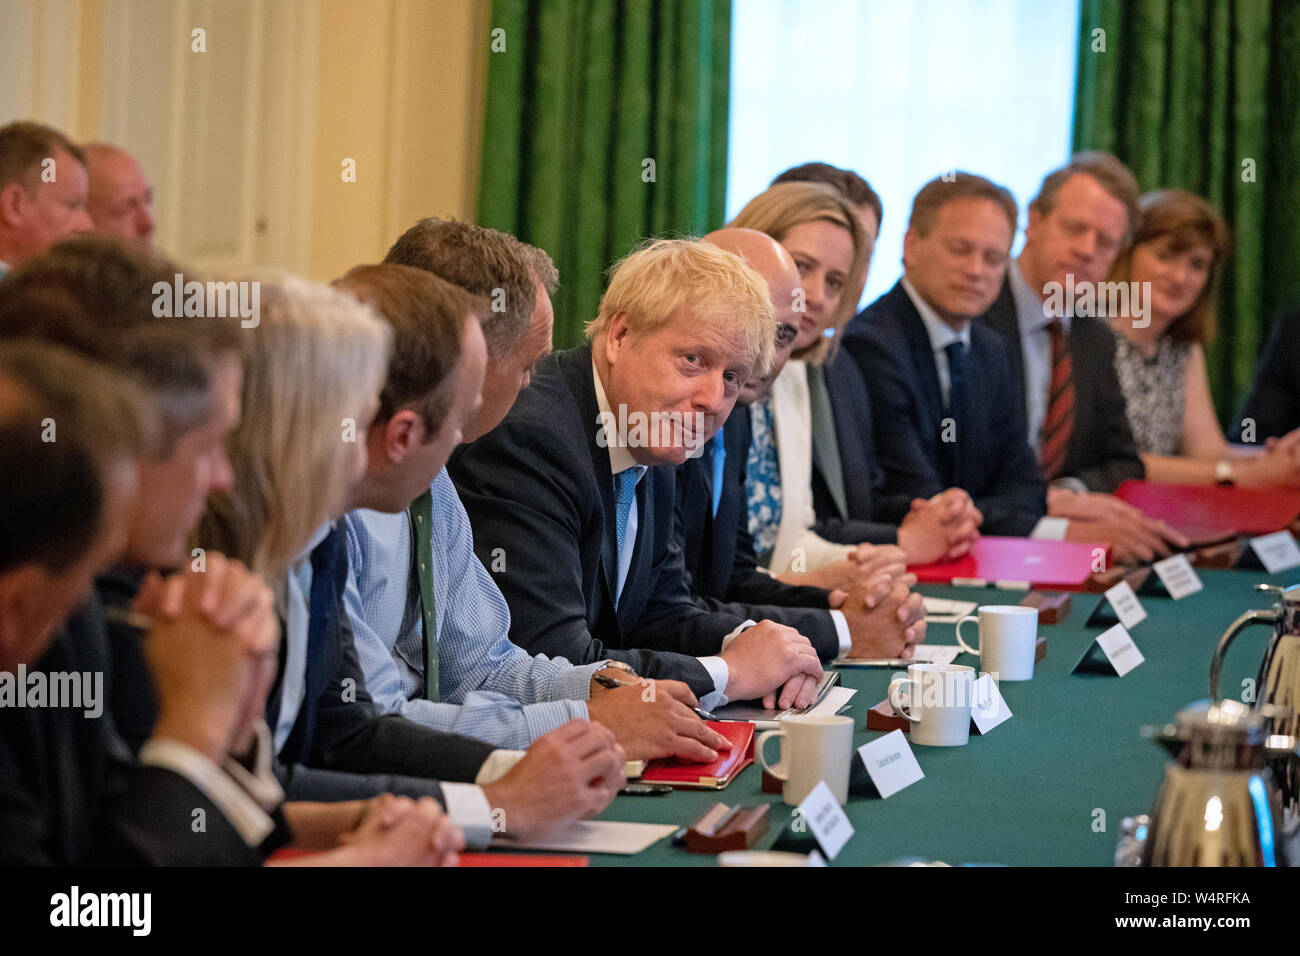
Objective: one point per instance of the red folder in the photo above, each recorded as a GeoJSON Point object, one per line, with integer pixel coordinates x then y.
{"type": "Point", "coordinates": [520, 859]}
{"type": "Point", "coordinates": [709, 776]}
{"type": "Point", "coordinates": [1209, 513]}
{"type": "Point", "coordinates": [1018, 562]}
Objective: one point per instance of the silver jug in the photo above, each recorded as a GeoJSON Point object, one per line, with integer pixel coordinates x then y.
{"type": "Point", "coordinates": [1278, 683]}
{"type": "Point", "coordinates": [1218, 804]}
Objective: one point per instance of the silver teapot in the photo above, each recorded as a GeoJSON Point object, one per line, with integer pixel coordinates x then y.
{"type": "Point", "coordinates": [1218, 804]}
{"type": "Point", "coordinates": [1278, 683]}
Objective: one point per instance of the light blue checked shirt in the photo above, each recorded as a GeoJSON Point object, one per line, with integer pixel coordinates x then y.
{"type": "Point", "coordinates": [490, 688]}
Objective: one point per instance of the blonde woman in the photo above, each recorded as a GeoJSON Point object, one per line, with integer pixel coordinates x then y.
{"type": "Point", "coordinates": [1178, 253]}
{"type": "Point", "coordinates": [813, 521]}
{"type": "Point", "coordinates": [316, 361]}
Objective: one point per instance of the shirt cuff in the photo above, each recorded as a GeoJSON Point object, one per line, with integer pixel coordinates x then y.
{"type": "Point", "coordinates": [250, 821]}
{"type": "Point", "coordinates": [717, 669]}
{"type": "Point", "coordinates": [842, 632]}
{"type": "Point", "coordinates": [498, 764]}
{"type": "Point", "coordinates": [1050, 529]}
{"type": "Point", "coordinates": [468, 808]}
{"type": "Point", "coordinates": [255, 776]}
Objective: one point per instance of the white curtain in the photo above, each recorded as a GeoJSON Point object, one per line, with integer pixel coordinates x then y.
{"type": "Point", "coordinates": [901, 91]}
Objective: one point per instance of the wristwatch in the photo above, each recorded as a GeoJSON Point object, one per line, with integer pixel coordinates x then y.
{"type": "Point", "coordinates": [617, 665]}
{"type": "Point", "coordinates": [1223, 472]}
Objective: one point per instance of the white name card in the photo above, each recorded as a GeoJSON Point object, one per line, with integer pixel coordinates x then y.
{"type": "Point", "coordinates": [826, 820]}
{"type": "Point", "coordinates": [988, 709]}
{"type": "Point", "coordinates": [1126, 605]}
{"type": "Point", "coordinates": [1277, 551]}
{"type": "Point", "coordinates": [1112, 652]}
{"type": "Point", "coordinates": [890, 763]}
{"type": "Point", "coordinates": [1178, 576]}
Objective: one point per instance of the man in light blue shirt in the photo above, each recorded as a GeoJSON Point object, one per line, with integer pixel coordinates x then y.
{"type": "Point", "coordinates": [478, 683]}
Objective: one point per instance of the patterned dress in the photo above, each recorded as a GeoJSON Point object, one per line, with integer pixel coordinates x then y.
{"type": "Point", "coordinates": [1155, 390]}
{"type": "Point", "coordinates": [763, 480]}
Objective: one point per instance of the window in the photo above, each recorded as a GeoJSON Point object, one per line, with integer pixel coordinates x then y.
{"type": "Point", "coordinates": [901, 92]}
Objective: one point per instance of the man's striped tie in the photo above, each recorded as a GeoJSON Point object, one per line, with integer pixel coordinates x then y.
{"type": "Point", "coordinates": [1059, 421]}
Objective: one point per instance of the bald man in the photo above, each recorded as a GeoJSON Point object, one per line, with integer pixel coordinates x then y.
{"type": "Point", "coordinates": [121, 196]}
{"type": "Point", "coordinates": [879, 618]}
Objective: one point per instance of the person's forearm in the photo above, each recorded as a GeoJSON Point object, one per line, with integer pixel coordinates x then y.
{"type": "Point", "coordinates": [1178, 470]}
{"type": "Point", "coordinates": [318, 826]}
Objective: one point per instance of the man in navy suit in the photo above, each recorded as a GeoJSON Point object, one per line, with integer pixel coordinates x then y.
{"type": "Point", "coordinates": [944, 403]}
{"type": "Point", "coordinates": [572, 496]}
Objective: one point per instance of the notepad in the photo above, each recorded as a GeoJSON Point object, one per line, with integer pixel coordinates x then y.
{"type": "Point", "coordinates": [715, 775]}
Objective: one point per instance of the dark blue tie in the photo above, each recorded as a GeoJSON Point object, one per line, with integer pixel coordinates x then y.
{"type": "Point", "coordinates": [321, 617]}
{"type": "Point", "coordinates": [957, 359]}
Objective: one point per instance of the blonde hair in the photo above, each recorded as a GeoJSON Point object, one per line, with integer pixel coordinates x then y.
{"type": "Point", "coordinates": [779, 209]}
{"type": "Point", "coordinates": [317, 356]}
{"type": "Point", "coordinates": [653, 283]}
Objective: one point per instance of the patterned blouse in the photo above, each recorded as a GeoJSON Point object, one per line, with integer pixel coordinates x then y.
{"type": "Point", "coordinates": [1155, 390]}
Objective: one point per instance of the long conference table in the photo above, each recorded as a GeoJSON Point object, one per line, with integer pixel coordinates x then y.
{"type": "Point", "coordinates": [1028, 794]}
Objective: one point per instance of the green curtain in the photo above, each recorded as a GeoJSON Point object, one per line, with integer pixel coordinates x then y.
{"type": "Point", "coordinates": [1204, 95]}
{"type": "Point", "coordinates": [605, 123]}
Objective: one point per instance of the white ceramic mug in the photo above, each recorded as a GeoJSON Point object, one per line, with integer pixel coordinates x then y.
{"type": "Point", "coordinates": [1008, 635]}
{"type": "Point", "coordinates": [938, 702]}
{"type": "Point", "coordinates": [813, 749]}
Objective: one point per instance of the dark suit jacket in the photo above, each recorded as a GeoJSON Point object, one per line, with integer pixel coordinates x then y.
{"type": "Point", "coordinates": [1102, 453]}
{"type": "Point", "coordinates": [1274, 401]}
{"type": "Point", "coordinates": [993, 460]}
{"type": "Point", "coordinates": [868, 514]}
{"type": "Point", "coordinates": [722, 571]}
{"type": "Point", "coordinates": [539, 493]}
{"type": "Point", "coordinates": [71, 792]}
{"type": "Point", "coordinates": [341, 745]}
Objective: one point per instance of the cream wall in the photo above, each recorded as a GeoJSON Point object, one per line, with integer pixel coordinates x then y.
{"type": "Point", "coordinates": [245, 141]}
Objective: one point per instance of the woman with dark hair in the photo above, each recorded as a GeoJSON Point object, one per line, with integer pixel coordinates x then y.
{"type": "Point", "coordinates": [1177, 259]}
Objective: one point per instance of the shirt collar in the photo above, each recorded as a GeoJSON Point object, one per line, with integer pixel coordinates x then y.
{"type": "Point", "coordinates": [941, 333]}
{"type": "Point", "coordinates": [317, 537]}
{"type": "Point", "coordinates": [620, 459]}
{"type": "Point", "coordinates": [1030, 311]}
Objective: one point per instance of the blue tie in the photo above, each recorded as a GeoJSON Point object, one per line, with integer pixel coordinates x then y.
{"type": "Point", "coordinates": [957, 358]}
{"type": "Point", "coordinates": [624, 494]}
{"type": "Point", "coordinates": [719, 460]}
{"type": "Point", "coordinates": [956, 352]}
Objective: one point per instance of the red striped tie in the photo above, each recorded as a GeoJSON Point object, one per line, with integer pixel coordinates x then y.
{"type": "Point", "coordinates": [1059, 421]}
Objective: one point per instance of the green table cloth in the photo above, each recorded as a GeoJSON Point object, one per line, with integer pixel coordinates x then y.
{"type": "Point", "coordinates": [1047, 787]}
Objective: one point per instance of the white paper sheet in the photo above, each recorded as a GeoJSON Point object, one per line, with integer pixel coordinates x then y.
{"type": "Point", "coordinates": [947, 611]}
{"type": "Point", "coordinates": [596, 836]}
{"type": "Point", "coordinates": [836, 699]}
{"type": "Point", "coordinates": [936, 653]}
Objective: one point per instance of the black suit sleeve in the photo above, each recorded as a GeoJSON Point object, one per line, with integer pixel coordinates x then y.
{"type": "Point", "coordinates": [856, 531]}
{"type": "Point", "coordinates": [1111, 433]}
{"type": "Point", "coordinates": [525, 499]}
{"type": "Point", "coordinates": [1018, 495]}
{"type": "Point", "coordinates": [1274, 402]}
{"type": "Point", "coordinates": [899, 445]}
{"type": "Point", "coordinates": [353, 735]}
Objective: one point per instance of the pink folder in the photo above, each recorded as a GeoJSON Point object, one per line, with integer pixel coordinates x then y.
{"type": "Point", "coordinates": [1020, 562]}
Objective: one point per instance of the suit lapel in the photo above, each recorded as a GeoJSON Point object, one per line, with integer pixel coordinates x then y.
{"type": "Point", "coordinates": [731, 507]}
{"type": "Point", "coordinates": [578, 371]}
